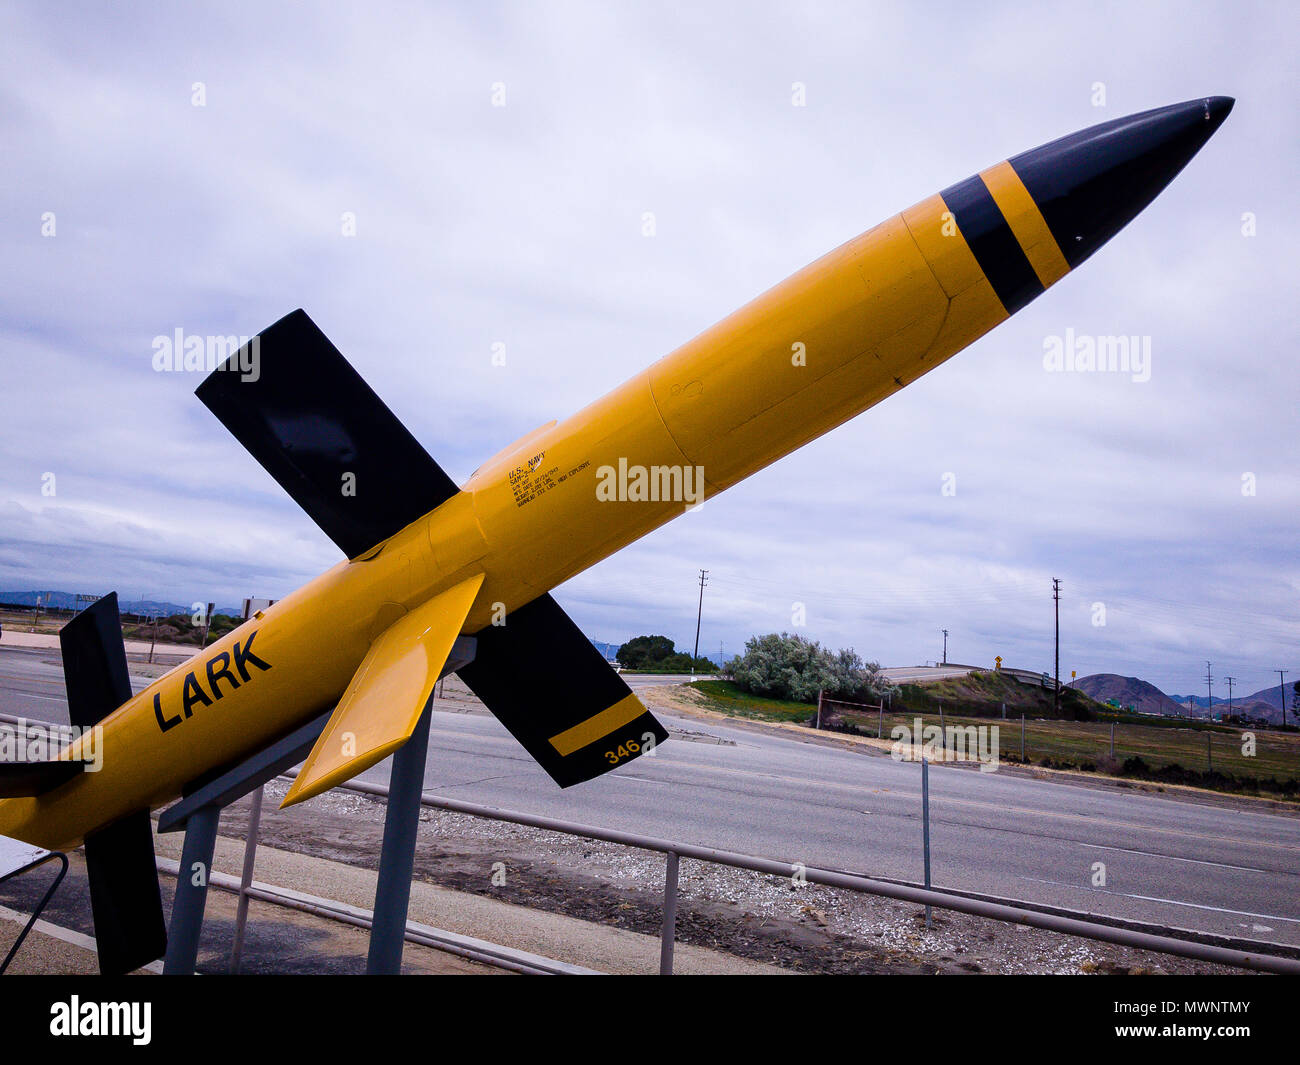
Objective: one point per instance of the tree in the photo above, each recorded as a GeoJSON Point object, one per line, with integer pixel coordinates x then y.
{"type": "Point", "coordinates": [656, 654]}
{"type": "Point", "coordinates": [643, 651]}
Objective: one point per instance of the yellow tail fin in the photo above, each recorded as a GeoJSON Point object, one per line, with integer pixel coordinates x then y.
{"type": "Point", "coordinates": [382, 705]}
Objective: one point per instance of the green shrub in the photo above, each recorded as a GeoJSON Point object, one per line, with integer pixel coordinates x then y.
{"type": "Point", "coordinates": [790, 667]}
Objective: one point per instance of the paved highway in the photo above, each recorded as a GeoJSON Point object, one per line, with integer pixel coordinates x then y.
{"type": "Point", "coordinates": [1233, 870]}
{"type": "Point", "coordinates": [909, 674]}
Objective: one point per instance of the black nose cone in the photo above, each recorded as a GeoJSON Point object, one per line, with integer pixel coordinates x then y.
{"type": "Point", "coordinates": [1091, 184]}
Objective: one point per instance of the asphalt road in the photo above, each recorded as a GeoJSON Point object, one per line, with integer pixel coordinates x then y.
{"type": "Point", "coordinates": [1230, 869]}
{"type": "Point", "coordinates": [907, 674]}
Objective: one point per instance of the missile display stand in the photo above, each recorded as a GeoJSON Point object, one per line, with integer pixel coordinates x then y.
{"type": "Point", "coordinates": [17, 858]}
{"type": "Point", "coordinates": [199, 812]}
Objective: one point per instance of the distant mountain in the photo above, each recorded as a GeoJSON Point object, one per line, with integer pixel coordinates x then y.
{"type": "Point", "coordinates": [60, 600]}
{"type": "Point", "coordinates": [1128, 691]}
{"type": "Point", "coordinates": [609, 650]}
{"type": "Point", "coordinates": [1261, 704]}
{"type": "Point", "coordinates": [1273, 696]}
{"type": "Point", "coordinates": [1267, 703]}
{"type": "Point", "coordinates": [1201, 701]}
{"type": "Point", "coordinates": [143, 607]}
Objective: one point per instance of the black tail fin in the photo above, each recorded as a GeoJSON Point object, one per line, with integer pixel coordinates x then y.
{"type": "Point", "coordinates": [94, 663]}
{"type": "Point", "coordinates": [547, 683]}
{"type": "Point", "coordinates": [130, 929]}
{"type": "Point", "coordinates": [315, 426]}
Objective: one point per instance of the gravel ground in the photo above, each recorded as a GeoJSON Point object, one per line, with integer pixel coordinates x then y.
{"type": "Point", "coordinates": [806, 928]}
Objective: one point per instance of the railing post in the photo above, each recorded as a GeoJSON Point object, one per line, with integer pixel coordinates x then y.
{"type": "Point", "coordinates": [670, 917]}
{"type": "Point", "coordinates": [925, 827]}
{"type": "Point", "coordinates": [246, 878]}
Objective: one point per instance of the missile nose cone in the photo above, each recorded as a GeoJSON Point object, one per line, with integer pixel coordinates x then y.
{"type": "Point", "coordinates": [1091, 184]}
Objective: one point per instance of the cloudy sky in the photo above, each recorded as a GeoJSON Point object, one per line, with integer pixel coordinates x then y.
{"type": "Point", "coordinates": [196, 163]}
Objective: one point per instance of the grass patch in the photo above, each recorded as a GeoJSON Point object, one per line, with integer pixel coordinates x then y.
{"type": "Point", "coordinates": [1205, 756]}
{"type": "Point", "coordinates": [1165, 752]}
{"type": "Point", "coordinates": [982, 693]}
{"type": "Point", "coordinates": [726, 698]}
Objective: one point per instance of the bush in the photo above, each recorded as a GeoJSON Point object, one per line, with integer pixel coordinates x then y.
{"type": "Point", "coordinates": [792, 668]}
{"type": "Point", "coordinates": [1211, 778]}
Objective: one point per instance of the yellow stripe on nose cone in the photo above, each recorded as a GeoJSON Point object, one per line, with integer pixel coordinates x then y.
{"type": "Point", "coordinates": [1026, 222]}
{"type": "Point", "coordinates": [598, 727]}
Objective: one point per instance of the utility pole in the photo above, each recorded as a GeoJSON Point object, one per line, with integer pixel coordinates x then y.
{"type": "Point", "coordinates": [1230, 680]}
{"type": "Point", "coordinates": [1209, 687]}
{"type": "Point", "coordinates": [207, 624]}
{"type": "Point", "coordinates": [945, 647]}
{"type": "Point", "coordinates": [1056, 687]}
{"type": "Point", "coordinates": [704, 579]}
{"type": "Point", "coordinates": [1281, 690]}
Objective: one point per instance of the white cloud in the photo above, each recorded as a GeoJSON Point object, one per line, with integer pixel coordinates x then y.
{"type": "Point", "coordinates": [521, 225]}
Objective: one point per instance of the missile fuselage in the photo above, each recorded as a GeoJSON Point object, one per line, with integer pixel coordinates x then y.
{"type": "Point", "coordinates": [834, 339]}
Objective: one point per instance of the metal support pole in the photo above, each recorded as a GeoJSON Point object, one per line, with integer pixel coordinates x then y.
{"type": "Point", "coordinates": [1022, 737]}
{"type": "Point", "coordinates": [880, 722]}
{"type": "Point", "coordinates": [669, 935]}
{"type": "Point", "coordinates": [397, 855]}
{"type": "Point", "coordinates": [246, 878]}
{"type": "Point", "coordinates": [1112, 739]}
{"type": "Point", "coordinates": [1004, 711]}
{"type": "Point", "coordinates": [925, 827]}
{"type": "Point", "coordinates": [191, 892]}
{"type": "Point", "coordinates": [819, 708]}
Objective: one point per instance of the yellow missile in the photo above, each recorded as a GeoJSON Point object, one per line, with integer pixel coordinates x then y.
{"type": "Point", "coordinates": [427, 561]}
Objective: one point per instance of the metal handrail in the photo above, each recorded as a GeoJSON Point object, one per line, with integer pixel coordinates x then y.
{"type": "Point", "coordinates": [998, 911]}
